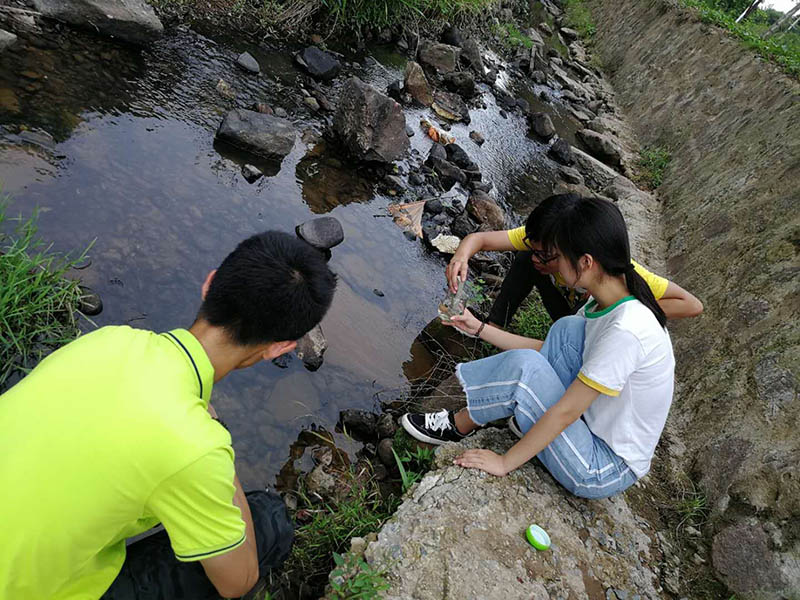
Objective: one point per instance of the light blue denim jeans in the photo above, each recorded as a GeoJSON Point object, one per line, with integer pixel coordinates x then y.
{"type": "Point", "coordinates": [525, 383]}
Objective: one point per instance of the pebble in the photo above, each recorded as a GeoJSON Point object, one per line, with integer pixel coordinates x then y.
{"type": "Point", "coordinates": [378, 293]}
{"type": "Point", "coordinates": [477, 138]}
{"type": "Point", "coordinates": [248, 62]}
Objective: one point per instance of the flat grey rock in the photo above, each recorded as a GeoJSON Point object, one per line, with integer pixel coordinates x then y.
{"type": "Point", "coordinates": [248, 62]}
{"type": "Point", "coordinates": [133, 21]}
{"type": "Point", "coordinates": [323, 233]}
{"type": "Point", "coordinates": [264, 135]}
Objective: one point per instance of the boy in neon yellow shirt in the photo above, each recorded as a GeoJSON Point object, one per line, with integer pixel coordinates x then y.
{"type": "Point", "coordinates": [532, 267]}
{"type": "Point", "coordinates": [113, 434]}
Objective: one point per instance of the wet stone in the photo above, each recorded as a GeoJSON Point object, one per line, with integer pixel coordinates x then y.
{"type": "Point", "coordinates": [486, 211]}
{"type": "Point", "coordinates": [560, 150]}
{"type": "Point", "coordinates": [477, 137]}
{"type": "Point", "coordinates": [248, 62]}
{"type": "Point", "coordinates": [385, 453]}
{"type": "Point", "coordinates": [378, 293]}
{"type": "Point", "coordinates": [361, 424]}
{"type": "Point", "coordinates": [90, 302]}
{"type": "Point", "coordinates": [450, 106]}
{"type": "Point", "coordinates": [542, 125]}
{"type": "Point", "coordinates": [539, 77]}
{"type": "Point", "coordinates": [416, 84]}
{"type": "Point", "coordinates": [395, 183]}
{"type": "Point", "coordinates": [311, 348]}
{"type": "Point", "coordinates": [443, 58]}
{"type": "Point", "coordinates": [434, 206]}
{"type": "Point", "coordinates": [261, 134]}
{"type": "Point", "coordinates": [437, 151]}
{"type": "Point", "coordinates": [318, 63]}
{"type": "Point", "coordinates": [251, 173]}
{"type": "Point", "coordinates": [323, 233]}
{"type": "Point", "coordinates": [7, 39]}
{"type": "Point", "coordinates": [462, 83]}
{"type": "Point", "coordinates": [409, 131]}
{"type": "Point", "coordinates": [387, 425]}
{"type": "Point", "coordinates": [449, 174]}
{"type": "Point", "coordinates": [462, 226]}
{"type": "Point", "coordinates": [416, 179]}
{"type": "Point", "coordinates": [459, 157]}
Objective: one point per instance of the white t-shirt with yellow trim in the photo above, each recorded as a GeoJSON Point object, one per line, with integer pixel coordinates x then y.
{"type": "Point", "coordinates": [627, 357]}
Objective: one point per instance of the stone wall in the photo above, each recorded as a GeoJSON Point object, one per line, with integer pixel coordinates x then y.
{"type": "Point", "coordinates": [731, 215]}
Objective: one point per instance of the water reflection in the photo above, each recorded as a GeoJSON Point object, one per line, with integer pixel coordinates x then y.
{"type": "Point", "coordinates": [328, 182]}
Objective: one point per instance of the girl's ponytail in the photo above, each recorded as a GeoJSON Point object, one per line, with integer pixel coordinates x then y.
{"type": "Point", "coordinates": [639, 289]}
{"type": "Point", "coordinates": [594, 226]}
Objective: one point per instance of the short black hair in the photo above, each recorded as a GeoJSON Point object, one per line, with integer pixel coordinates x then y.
{"type": "Point", "coordinates": [272, 287]}
{"type": "Point", "coordinates": [546, 213]}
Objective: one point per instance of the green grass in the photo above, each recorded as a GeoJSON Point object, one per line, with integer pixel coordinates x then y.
{"type": "Point", "coordinates": [532, 320]}
{"type": "Point", "coordinates": [652, 163]}
{"type": "Point", "coordinates": [511, 37]}
{"type": "Point", "coordinates": [37, 303]}
{"type": "Point", "coordinates": [354, 579]}
{"type": "Point", "coordinates": [783, 49]}
{"type": "Point", "coordinates": [362, 511]}
{"type": "Point", "coordinates": [413, 465]}
{"type": "Point", "coordinates": [580, 19]}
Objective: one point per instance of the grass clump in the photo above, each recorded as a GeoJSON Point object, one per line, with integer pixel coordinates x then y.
{"type": "Point", "coordinates": [783, 49]}
{"type": "Point", "coordinates": [532, 319]}
{"type": "Point", "coordinates": [333, 523]}
{"type": "Point", "coordinates": [580, 19]}
{"type": "Point", "coordinates": [37, 303]}
{"type": "Point", "coordinates": [511, 37]}
{"type": "Point", "coordinates": [354, 578]}
{"type": "Point", "coordinates": [652, 163]}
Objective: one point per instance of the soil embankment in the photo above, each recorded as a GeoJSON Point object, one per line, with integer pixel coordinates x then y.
{"type": "Point", "coordinates": [732, 124]}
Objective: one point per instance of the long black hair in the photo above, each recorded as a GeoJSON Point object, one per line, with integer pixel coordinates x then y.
{"type": "Point", "coordinates": [596, 227]}
{"type": "Point", "coordinates": [545, 213]}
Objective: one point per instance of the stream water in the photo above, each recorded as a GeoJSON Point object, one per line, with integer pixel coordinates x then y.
{"type": "Point", "coordinates": [131, 164]}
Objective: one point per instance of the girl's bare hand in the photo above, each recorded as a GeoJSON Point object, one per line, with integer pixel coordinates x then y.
{"type": "Point", "coordinates": [467, 322]}
{"type": "Point", "coordinates": [485, 460]}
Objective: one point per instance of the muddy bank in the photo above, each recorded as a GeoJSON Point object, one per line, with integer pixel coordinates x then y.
{"type": "Point", "coordinates": [730, 121]}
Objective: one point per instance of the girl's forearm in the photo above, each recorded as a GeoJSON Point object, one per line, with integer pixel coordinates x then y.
{"type": "Point", "coordinates": [508, 341]}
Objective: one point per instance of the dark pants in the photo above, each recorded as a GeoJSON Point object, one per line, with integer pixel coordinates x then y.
{"type": "Point", "coordinates": [151, 571]}
{"type": "Point", "coordinates": [519, 282]}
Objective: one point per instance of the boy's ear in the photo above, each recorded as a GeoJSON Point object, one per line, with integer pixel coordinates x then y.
{"type": "Point", "coordinates": [276, 349]}
{"type": "Point", "coordinates": [207, 283]}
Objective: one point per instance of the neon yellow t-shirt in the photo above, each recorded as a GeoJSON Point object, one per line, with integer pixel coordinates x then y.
{"type": "Point", "coordinates": [107, 437]}
{"type": "Point", "coordinates": [658, 285]}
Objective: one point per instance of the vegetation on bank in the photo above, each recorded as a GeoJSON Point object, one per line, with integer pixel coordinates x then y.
{"type": "Point", "coordinates": [511, 37]}
{"type": "Point", "coordinates": [781, 48]}
{"type": "Point", "coordinates": [330, 16]}
{"type": "Point", "coordinates": [532, 319]}
{"type": "Point", "coordinates": [37, 303]}
{"type": "Point", "coordinates": [579, 18]}
{"type": "Point", "coordinates": [652, 164]}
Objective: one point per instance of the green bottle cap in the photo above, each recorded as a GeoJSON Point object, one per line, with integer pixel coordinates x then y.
{"type": "Point", "coordinates": [538, 537]}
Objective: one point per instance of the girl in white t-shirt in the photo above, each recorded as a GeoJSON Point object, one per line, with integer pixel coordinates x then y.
{"type": "Point", "coordinates": [592, 399]}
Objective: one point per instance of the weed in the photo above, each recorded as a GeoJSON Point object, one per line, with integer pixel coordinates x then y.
{"type": "Point", "coordinates": [418, 464]}
{"type": "Point", "coordinates": [693, 508]}
{"type": "Point", "coordinates": [353, 578]}
{"type": "Point", "coordinates": [332, 526]}
{"type": "Point", "coordinates": [532, 319]}
{"type": "Point", "coordinates": [580, 19]}
{"type": "Point", "coordinates": [37, 303]}
{"type": "Point", "coordinates": [511, 37]}
{"type": "Point", "coordinates": [652, 164]}
{"type": "Point", "coordinates": [783, 49]}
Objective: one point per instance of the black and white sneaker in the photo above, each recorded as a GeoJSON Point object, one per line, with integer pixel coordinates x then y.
{"type": "Point", "coordinates": [432, 428]}
{"type": "Point", "coordinates": [514, 427]}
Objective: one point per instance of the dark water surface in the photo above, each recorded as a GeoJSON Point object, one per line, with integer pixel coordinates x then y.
{"type": "Point", "coordinates": [132, 165]}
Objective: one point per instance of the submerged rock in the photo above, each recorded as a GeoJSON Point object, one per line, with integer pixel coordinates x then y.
{"type": "Point", "coordinates": [416, 84]}
{"type": "Point", "coordinates": [248, 62]}
{"type": "Point", "coordinates": [318, 63]}
{"type": "Point", "coordinates": [323, 232]}
{"type": "Point", "coordinates": [251, 173]}
{"type": "Point", "coordinates": [371, 125]}
{"type": "Point", "coordinates": [133, 21]}
{"type": "Point", "coordinates": [443, 58]}
{"type": "Point", "coordinates": [90, 302]}
{"type": "Point", "coordinates": [361, 424]}
{"type": "Point", "coordinates": [477, 137]}
{"type": "Point", "coordinates": [265, 135]}
{"type": "Point", "coordinates": [482, 207]}
{"type": "Point", "coordinates": [450, 106]}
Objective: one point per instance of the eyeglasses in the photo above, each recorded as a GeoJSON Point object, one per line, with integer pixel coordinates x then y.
{"type": "Point", "coordinates": [542, 257]}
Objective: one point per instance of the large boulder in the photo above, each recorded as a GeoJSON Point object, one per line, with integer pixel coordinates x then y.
{"type": "Point", "coordinates": [601, 146]}
{"type": "Point", "coordinates": [440, 57]}
{"type": "Point", "coordinates": [542, 125]}
{"type": "Point", "coordinates": [460, 533]}
{"type": "Point", "coordinates": [561, 151]}
{"type": "Point", "coordinates": [462, 83]}
{"type": "Point", "coordinates": [318, 63]}
{"type": "Point", "coordinates": [486, 211]}
{"type": "Point", "coordinates": [265, 135]}
{"type": "Point", "coordinates": [416, 84]}
{"type": "Point", "coordinates": [133, 21]}
{"type": "Point", "coordinates": [471, 55]}
{"type": "Point", "coordinates": [370, 124]}
{"type": "Point", "coordinates": [449, 174]}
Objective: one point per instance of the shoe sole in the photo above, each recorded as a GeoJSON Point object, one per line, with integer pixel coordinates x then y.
{"type": "Point", "coordinates": [416, 434]}
{"type": "Point", "coordinates": [514, 429]}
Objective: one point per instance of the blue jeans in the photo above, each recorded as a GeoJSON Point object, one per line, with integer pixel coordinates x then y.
{"type": "Point", "coordinates": [525, 383]}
